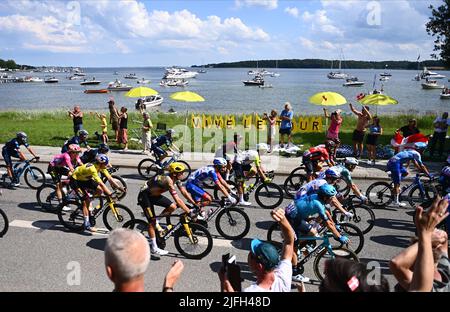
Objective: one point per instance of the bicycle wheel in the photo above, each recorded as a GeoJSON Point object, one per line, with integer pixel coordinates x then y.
{"type": "Point", "coordinates": [294, 181]}
{"type": "Point", "coordinates": [269, 195]}
{"type": "Point", "coordinates": [201, 243]}
{"type": "Point", "coordinates": [71, 217]}
{"type": "Point", "coordinates": [355, 235]}
{"type": "Point", "coordinates": [343, 187]}
{"type": "Point", "coordinates": [416, 196]}
{"type": "Point", "coordinates": [4, 223]}
{"type": "Point", "coordinates": [46, 197]}
{"type": "Point", "coordinates": [112, 221]}
{"type": "Point", "coordinates": [363, 217]}
{"type": "Point", "coordinates": [121, 182]}
{"type": "Point", "coordinates": [380, 194]}
{"type": "Point", "coordinates": [34, 177]}
{"type": "Point", "coordinates": [274, 234]}
{"type": "Point", "coordinates": [144, 167]}
{"type": "Point", "coordinates": [232, 223]}
{"type": "Point", "coordinates": [187, 171]}
{"type": "Point", "coordinates": [138, 225]}
{"type": "Point", "coordinates": [324, 255]}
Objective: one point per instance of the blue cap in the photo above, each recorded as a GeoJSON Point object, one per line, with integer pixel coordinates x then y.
{"type": "Point", "coordinates": [265, 253]}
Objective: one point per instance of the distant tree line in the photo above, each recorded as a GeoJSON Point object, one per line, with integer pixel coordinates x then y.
{"type": "Point", "coordinates": [318, 63]}
{"type": "Point", "coordinates": [11, 64]}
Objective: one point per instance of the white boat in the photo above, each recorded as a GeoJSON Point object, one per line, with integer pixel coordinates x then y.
{"type": "Point", "coordinates": [202, 71]}
{"type": "Point", "coordinates": [384, 78]}
{"type": "Point", "coordinates": [179, 73]}
{"type": "Point", "coordinates": [173, 83]}
{"type": "Point", "coordinates": [337, 74]}
{"type": "Point", "coordinates": [90, 82]}
{"type": "Point", "coordinates": [266, 86]}
{"type": "Point", "coordinates": [257, 81]}
{"type": "Point", "coordinates": [150, 101]}
{"type": "Point", "coordinates": [75, 77]}
{"type": "Point", "coordinates": [426, 74]}
{"type": "Point", "coordinates": [118, 86]}
{"type": "Point", "coordinates": [445, 95]}
{"type": "Point", "coordinates": [353, 82]}
{"type": "Point", "coordinates": [131, 76]}
{"type": "Point", "coordinates": [386, 74]}
{"type": "Point", "coordinates": [275, 75]}
{"type": "Point", "coordinates": [51, 80]}
{"type": "Point", "coordinates": [32, 79]}
{"type": "Point", "coordinates": [143, 81]}
{"type": "Point", "coordinates": [432, 84]}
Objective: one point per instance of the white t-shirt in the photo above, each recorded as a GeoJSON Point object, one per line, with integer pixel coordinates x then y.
{"type": "Point", "coordinates": [247, 157]}
{"type": "Point", "coordinates": [282, 282]}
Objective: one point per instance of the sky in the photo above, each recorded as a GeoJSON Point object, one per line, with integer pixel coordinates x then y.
{"type": "Point", "coordinates": [121, 33]}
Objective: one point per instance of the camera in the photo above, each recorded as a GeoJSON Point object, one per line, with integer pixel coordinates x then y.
{"type": "Point", "coordinates": [232, 271]}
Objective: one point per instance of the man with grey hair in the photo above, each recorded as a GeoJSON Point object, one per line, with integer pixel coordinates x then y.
{"type": "Point", "coordinates": [127, 255]}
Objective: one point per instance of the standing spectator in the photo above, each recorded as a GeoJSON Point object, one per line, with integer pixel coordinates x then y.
{"type": "Point", "coordinates": [440, 132]}
{"type": "Point", "coordinates": [77, 118]}
{"type": "Point", "coordinates": [286, 117]}
{"type": "Point", "coordinates": [364, 117]}
{"type": "Point", "coordinates": [333, 129]}
{"type": "Point", "coordinates": [146, 133]}
{"type": "Point", "coordinates": [123, 128]}
{"type": "Point", "coordinates": [375, 130]}
{"type": "Point", "coordinates": [272, 273]}
{"type": "Point", "coordinates": [127, 255]}
{"type": "Point", "coordinates": [103, 138]}
{"type": "Point", "coordinates": [114, 118]}
{"type": "Point", "coordinates": [228, 151]}
{"type": "Point", "coordinates": [272, 119]}
{"type": "Point", "coordinates": [409, 129]}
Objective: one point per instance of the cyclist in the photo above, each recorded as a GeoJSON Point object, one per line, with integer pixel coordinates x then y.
{"type": "Point", "coordinates": [89, 155]}
{"type": "Point", "coordinates": [12, 149]}
{"type": "Point", "coordinates": [85, 179]}
{"type": "Point", "coordinates": [152, 195]}
{"type": "Point", "coordinates": [196, 179]}
{"type": "Point", "coordinates": [243, 163]}
{"type": "Point", "coordinates": [165, 139]}
{"type": "Point", "coordinates": [301, 210]}
{"type": "Point", "coordinates": [444, 177]}
{"type": "Point", "coordinates": [312, 159]}
{"type": "Point", "coordinates": [79, 139]}
{"type": "Point", "coordinates": [398, 171]}
{"type": "Point", "coordinates": [227, 150]}
{"type": "Point", "coordinates": [63, 164]}
{"type": "Point", "coordinates": [344, 172]}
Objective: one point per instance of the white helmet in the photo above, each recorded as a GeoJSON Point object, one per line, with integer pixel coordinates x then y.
{"type": "Point", "coordinates": [219, 161]}
{"type": "Point", "coordinates": [262, 148]}
{"type": "Point", "coordinates": [351, 161]}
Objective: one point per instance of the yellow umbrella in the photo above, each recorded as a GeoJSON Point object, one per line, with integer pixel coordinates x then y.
{"type": "Point", "coordinates": [327, 99]}
{"type": "Point", "coordinates": [187, 96]}
{"type": "Point", "coordinates": [141, 92]}
{"type": "Point", "coordinates": [378, 99]}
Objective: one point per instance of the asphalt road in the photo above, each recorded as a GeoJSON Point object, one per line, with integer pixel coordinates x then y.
{"type": "Point", "coordinates": [38, 254]}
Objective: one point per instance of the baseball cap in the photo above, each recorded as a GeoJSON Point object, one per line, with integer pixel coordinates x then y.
{"type": "Point", "coordinates": [265, 253]}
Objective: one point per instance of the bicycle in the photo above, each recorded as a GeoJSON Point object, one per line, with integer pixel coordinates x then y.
{"type": "Point", "coordinates": [148, 168]}
{"type": "Point", "coordinates": [267, 195]}
{"type": "Point", "coordinates": [31, 174]}
{"type": "Point", "coordinates": [70, 213]}
{"type": "Point", "coordinates": [321, 252]}
{"type": "Point", "coordinates": [381, 194]}
{"type": "Point", "coordinates": [363, 216]}
{"type": "Point", "coordinates": [4, 223]}
{"type": "Point", "coordinates": [188, 236]}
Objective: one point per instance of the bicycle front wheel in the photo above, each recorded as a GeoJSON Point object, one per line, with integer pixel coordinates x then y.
{"type": "Point", "coordinates": [4, 223]}
{"type": "Point", "coordinates": [187, 171]}
{"type": "Point", "coordinates": [416, 196]}
{"type": "Point", "coordinates": [343, 187]}
{"type": "Point", "coordinates": [363, 217]}
{"type": "Point", "coordinates": [325, 255]}
{"type": "Point", "coordinates": [294, 181]}
{"type": "Point", "coordinates": [70, 214]}
{"type": "Point", "coordinates": [34, 177]}
{"type": "Point", "coordinates": [146, 168]}
{"type": "Point", "coordinates": [274, 234]}
{"type": "Point", "coordinates": [355, 235]}
{"type": "Point", "coordinates": [121, 182]}
{"type": "Point", "coordinates": [46, 197]}
{"type": "Point", "coordinates": [232, 223]}
{"type": "Point", "coordinates": [196, 245]}
{"type": "Point", "coordinates": [380, 194]}
{"type": "Point", "coordinates": [269, 195]}
{"type": "Point", "coordinates": [113, 220]}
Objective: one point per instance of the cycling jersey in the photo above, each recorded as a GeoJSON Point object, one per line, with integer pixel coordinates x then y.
{"type": "Point", "coordinates": [161, 182]}
{"type": "Point", "coordinates": [162, 140]}
{"type": "Point", "coordinates": [13, 147]}
{"type": "Point", "coordinates": [405, 156]}
{"type": "Point", "coordinates": [88, 172]}
{"type": "Point", "coordinates": [307, 206]}
{"type": "Point", "coordinates": [63, 160]}
{"type": "Point", "coordinates": [310, 188]}
{"type": "Point", "coordinates": [74, 140]}
{"type": "Point", "coordinates": [444, 178]}
{"type": "Point", "coordinates": [89, 156]}
{"type": "Point", "coordinates": [247, 158]}
{"type": "Point", "coordinates": [316, 154]}
{"type": "Point", "coordinates": [341, 170]}
{"type": "Point", "coordinates": [202, 174]}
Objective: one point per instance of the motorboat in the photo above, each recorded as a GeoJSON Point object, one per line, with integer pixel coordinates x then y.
{"type": "Point", "coordinates": [353, 82]}
{"type": "Point", "coordinates": [173, 83]}
{"type": "Point", "coordinates": [90, 82]}
{"type": "Point", "coordinates": [275, 75]}
{"type": "Point", "coordinates": [384, 78]}
{"type": "Point", "coordinates": [96, 91]}
{"type": "Point", "coordinates": [131, 76]}
{"type": "Point", "coordinates": [202, 71]}
{"type": "Point", "coordinates": [31, 79]}
{"type": "Point", "coordinates": [149, 102]}
{"type": "Point", "coordinates": [75, 77]}
{"type": "Point", "coordinates": [257, 81]}
{"type": "Point", "coordinates": [118, 86]}
{"type": "Point", "coordinates": [386, 74]}
{"type": "Point", "coordinates": [51, 80]}
{"type": "Point", "coordinates": [445, 95]}
{"type": "Point", "coordinates": [143, 81]}
{"type": "Point", "coordinates": [266, 86]}
{"type": "Point", "coordinates": [432, 84]}
{"type": "Point", "coordinates": [179, 73]}
{"type": "Point", "coordinates": [426, 74]}
{"type": "Point", "coordinates": [337, 75]}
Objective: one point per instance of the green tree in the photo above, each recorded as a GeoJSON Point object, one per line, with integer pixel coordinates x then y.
{"type": "Point", "coordinates": [439, 27]}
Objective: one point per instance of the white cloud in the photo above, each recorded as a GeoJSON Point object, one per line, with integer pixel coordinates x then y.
{"type": "Point", "coordinates": [306, 43]}
{"type": "Point", "coordinates": [320, 23]}
{"type": "Point", "coordinates": [292, 11]}
{"type": "Point", "coordinates": [123, 48]}
{"type": "Point", "coordinates": [267, 4]}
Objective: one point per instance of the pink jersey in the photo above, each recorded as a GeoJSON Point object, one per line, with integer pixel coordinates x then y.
{"type": "Point", "coordinates": [333, 130]}
{"type": "Point", "coordinates": [63, 160]}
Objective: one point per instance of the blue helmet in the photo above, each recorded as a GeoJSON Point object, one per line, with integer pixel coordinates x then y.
{"type": "Point", "coordinates": [103, 148]}
{"type": "Point", "coordinates": [331, 173]}
{"type": "Point", "coordinates": [327, 190]}
{"type": "Point", "coordinates": [102, 159]}
{"type": "Point", "coordinates": [420, 146]}
{"type": "Point", "coordinates": [219, 161]}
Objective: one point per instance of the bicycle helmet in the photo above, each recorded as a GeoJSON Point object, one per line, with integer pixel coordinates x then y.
{"type": "Point", "coordinates": [170, 131]}
{"type": "Point", "coordinates": [331, 173]}
{"type": "Point", "coordinates": [262, 148]}
{"type": "Point", "coordinates": [351, 161]}
{"type": "Point", "coordinates": [420, 146]}
{"type": "Point", "coordinates": [219, 161]}
{"type": "Point", "coordinates": [330, 144]}
{"type": "Point", "coordinates": [176, 167]}
{"type": "Point", "coordinates": [103, 148]}
{"type": "Point", "coordinates": [22, 137]}
{"type": "Point", "coordinates": [83, 133]}
{"type": "Point", "coordinates": [102, 159]}
{"type": "Point", "coordinates": [74, 148]}
{"type": "Point", "coordinates": [326, 190]}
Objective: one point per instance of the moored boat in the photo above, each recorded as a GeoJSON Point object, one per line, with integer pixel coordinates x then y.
{"type": "Point", "coordinates": [353, 82]}
{"type": "Point", "coordinates": [432, 84]}
{"type": "Point", "coordinates": [96, 91]}
{"type": "Point", "coordinates": [118, 86]}
{"type": "Point", "coordinates": [51, 80]}
{"type": "Point", "coordinates": [90, 82]}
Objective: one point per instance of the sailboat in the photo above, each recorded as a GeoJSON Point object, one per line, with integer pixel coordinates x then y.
{"type": "Point", "coordinates": [275, 74]}
{"type": "Point", "coordinates": [385, 73]}
{"type": "Point", "coordinates": [338, 74]}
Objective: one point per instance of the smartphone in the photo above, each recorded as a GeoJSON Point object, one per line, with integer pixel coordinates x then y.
{"type": "Point", "coordinates": [233, 271]}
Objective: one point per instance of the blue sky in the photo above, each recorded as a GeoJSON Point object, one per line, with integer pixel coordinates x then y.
{"type": "Point", "coordinates": [159, 33]}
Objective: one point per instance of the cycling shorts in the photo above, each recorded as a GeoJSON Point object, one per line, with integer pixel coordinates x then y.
{"type": "Point", "coordinates": [397, 171]}
{"type": "Point", "coordinates": [239, 170]}
{"type": "Point", "coordinates": [196, 191]}
{"type": "Point", "coordinates": [146, 200]}
{"type": "Point", "coordinates": [310, 165]}
{"type": "Point", "coordinates": [57, 172]}
{"type": "Point", "coordinates": [7, 156]}
{"type": "Point", "coordinates": [158, 151]}
{"type": "Point", "coordinates": [86, 187]}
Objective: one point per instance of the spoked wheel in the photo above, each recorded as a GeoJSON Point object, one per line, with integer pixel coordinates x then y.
{"type": "Point", "coordinates": [121, 182]}
{"type": "Point", "coordinates": [4, 223]}
{"type": "Point", "coordinates": [269, 195]}
{"type": "Point", "coordinates": [142, 227]}
{"type": "Point", "coordinates": [70, 214]}
{"type": "Point", "coordinates": [416, 196]}
{"type": "Point", "coordinates": [274, 234]}
{"type": "Point", "coordinates": [355, 235]}
{"type": "Point", "coordinates": [232, 223]}
{"type": "Point", "coordinates": [46, 197]}
{"type": "Point", "coordinates": [294, 181]}
{"type": "Point", "coordinates": [196, 245]}
{"type": "Point", "coordinates": [380, 194]}
{"type": "Point", "coordinates": [116, 219]}
{"type": "Point", "coordinates": [343, 187]}
{"type": "Point", "coordinates": [146, 168]}
{"type": "Point", "coordinates": [363, 218]}
{"type": "Point", "coordinates": [187, 171]}
{"type": "Point", "coordinates": [34, 177]}
{"type": "Point", "coordinates": [324, 255]}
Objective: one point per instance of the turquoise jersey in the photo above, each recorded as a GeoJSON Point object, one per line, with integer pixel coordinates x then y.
{"type": "Point", "coordinates": [307, 206]}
